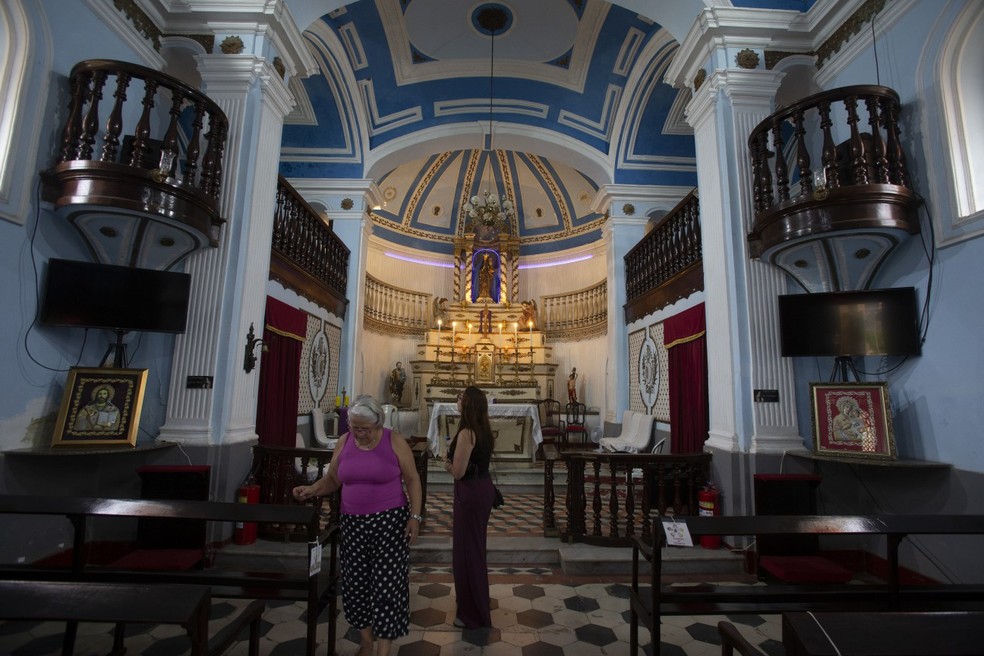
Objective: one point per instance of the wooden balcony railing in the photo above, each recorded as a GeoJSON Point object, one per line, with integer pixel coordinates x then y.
{"type": "Point", "coordinates": [837, 164]}
{"type": "Point", "coordinates": [307, 255]}
{"type": "Point", "coordinates": [667, 264]}
{"type": "Point", "coordinates": [157, 158]}
{"type": "Point", "coordinates": [610, 496]}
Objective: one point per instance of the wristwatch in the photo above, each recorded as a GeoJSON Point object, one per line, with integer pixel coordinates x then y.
{"type": "Point", "coordinates": [419, 518]}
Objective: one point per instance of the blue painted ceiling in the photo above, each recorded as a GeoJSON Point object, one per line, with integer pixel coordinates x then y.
{"type": "Point", "coordinates": [571, 90]}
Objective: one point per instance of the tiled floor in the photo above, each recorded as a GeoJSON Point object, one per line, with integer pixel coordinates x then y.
{"type": "Point", "coordinates": [538, 610]}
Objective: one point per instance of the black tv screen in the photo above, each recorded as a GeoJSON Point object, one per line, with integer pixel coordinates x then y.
{"type": "Point", "coordinates": [94, 295]}
{"type": "Point", "coordinates": [866, 322]}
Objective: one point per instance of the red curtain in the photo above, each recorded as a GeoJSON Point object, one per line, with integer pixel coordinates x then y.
{"type": "Point", "coordinates": [683, 337]}
{"type": "Point", "coordinates": [280, 368]}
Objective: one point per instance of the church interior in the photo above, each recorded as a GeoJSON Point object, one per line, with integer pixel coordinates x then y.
{"type": "Point", "coordinates": [703, 258]}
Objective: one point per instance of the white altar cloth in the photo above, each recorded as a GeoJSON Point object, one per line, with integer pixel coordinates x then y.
{"type": "Point", "coordinates": [495, 410]}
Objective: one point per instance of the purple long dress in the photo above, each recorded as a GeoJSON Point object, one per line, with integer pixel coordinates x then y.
{"type": "Point", "coordinates": [472, 506]}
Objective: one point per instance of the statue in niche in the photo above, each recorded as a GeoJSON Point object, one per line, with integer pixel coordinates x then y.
{"type": "Point", "coordinates": [486, 275]}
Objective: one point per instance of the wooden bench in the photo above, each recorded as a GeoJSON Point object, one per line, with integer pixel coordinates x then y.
{"type": "Point", "coordinates": [649, 603]}
{"type": "Point", "coordinates": [300, 584]}
{"type": "Point", "coordinates": [185, 605]}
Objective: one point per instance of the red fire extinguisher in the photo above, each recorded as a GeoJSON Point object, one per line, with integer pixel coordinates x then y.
{"type": "Point", "coordinates": [708, 505]}
{"type": "Point", "coordinates": [246, 531]}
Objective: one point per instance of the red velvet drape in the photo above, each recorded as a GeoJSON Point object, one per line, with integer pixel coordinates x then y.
{"type": "Point", "coordinates": [683, 337]}
{"type": "Point", "coordinates": [280, 368]}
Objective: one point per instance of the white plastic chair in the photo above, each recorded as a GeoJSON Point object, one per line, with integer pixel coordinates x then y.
{"type": "Point", "coordinates": [318, 430]}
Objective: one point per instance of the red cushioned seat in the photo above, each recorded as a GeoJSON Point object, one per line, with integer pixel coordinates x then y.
{"type": "Point", "coordinates": [804, 569]}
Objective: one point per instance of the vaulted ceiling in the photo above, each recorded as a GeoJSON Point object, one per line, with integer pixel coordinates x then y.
{"type": "Point", "coordinates": [545, 104]}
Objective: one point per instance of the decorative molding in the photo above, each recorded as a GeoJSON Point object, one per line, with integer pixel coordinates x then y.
{"type": "Point", "coordinates": [141, 22]}
{"type": "Point", "coordinates": [232, 45]}
{"type": "Point", "coordinates": [747, 58]}
{"type": "Point", "coordinates": [773, 57]}
{"type": "Point", "coordinates": [851, 26]}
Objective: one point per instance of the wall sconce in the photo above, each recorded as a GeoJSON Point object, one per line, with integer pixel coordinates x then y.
{"type": "Point", "coordinates": [249, 360]}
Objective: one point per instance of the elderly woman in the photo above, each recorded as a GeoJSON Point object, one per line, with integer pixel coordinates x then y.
{"type": "Point", "coordinates": [371, 464]}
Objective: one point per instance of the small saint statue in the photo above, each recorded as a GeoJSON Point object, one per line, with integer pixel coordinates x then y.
{"type": "Point", "coordinates": [397, 379]}
{"type": "Point", "coordinates": [572, 386]}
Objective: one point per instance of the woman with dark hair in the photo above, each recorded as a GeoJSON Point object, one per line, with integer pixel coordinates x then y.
{"type": "Point", "coordinates": [372, 465]}
{"type": "Point", "coordinates": [468, 463]}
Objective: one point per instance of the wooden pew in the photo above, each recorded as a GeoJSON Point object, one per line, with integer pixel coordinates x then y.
{"type": "Point", "coordinates": [649, 603]}
{"type": "Point", "coordinates": [120, 604]}
{"type": "Point", "coordinates": [317, 589]}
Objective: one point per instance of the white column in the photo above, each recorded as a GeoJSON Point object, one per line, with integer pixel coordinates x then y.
{"type": "Point", "coordinates": [228, 282]}
{"type": "Point", "coordinates": [742, 353]}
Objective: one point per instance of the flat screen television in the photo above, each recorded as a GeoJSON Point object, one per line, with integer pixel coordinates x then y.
{"type": "Point", "coordinates": [855, 323]}
{"type": "Point", "coordinates": [93, 295]}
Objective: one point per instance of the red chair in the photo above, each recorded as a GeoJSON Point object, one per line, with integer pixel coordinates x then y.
{"type": "Point", "coordinates": [574, 423]}
{"type": "Point", "coordinates": [551, 424]}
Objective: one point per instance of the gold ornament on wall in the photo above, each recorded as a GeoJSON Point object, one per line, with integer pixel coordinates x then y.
{"type": "Point", "coordinates": [628, 209]}
{"type": "Point", "coordinates": [699, 78]}
{"type": "Point", "coordinates": [747, 58]}
{"type": "Point", "coordinates": [347, 203]}
{"type": "Point", "coordinates": [232, 45]}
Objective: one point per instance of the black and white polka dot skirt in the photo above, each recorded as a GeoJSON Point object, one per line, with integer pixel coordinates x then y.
{"type": "Point", "coordinates": [376, 572]}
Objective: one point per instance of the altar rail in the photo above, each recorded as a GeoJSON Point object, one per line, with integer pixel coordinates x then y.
{"type": "Point", "coordinates": [610, 496]}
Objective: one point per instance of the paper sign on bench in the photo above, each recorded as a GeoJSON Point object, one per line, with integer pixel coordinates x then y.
{"type": "Point", "coordinates": [677, 534]}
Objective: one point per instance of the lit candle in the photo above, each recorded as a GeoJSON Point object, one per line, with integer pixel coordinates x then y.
{"type": "Point", "coordinates": [469, 328]}
{"type": "Point", "coordinates": [500, 329]}
{"type": "Point", "coordinates": [454, 326]}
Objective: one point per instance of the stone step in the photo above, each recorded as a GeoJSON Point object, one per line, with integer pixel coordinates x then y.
{"type": "Point", "coordinates": [581, 559]}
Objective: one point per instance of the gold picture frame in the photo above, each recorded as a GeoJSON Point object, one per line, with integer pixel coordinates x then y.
{"type": "Point", "coordinates": [100, 406]}
{"type": "Point", "coordinates": [852, 420]}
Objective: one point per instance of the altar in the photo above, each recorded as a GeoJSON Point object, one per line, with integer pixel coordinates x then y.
{"type": "Point", "coordinates": [517, 426]}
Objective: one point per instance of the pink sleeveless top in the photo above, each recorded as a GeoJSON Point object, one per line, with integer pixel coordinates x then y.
{"type": "Point", "coordinates": [371, 480]}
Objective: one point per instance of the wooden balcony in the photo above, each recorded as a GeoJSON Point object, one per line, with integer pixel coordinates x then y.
{"type": "Point", "coordinates": [831, 169]}
{"type": "Point", "coordinates": [143, 188]}
{"type": "Point", "coordinates": [667, 264]}
{"type": "Point", "coordinates": [307, 256]}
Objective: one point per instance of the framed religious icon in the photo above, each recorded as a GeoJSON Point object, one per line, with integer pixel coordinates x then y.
{"type": "Point", "coordinates": [100, 406]}
{"type": "Point", "coordinates": [852, 420]}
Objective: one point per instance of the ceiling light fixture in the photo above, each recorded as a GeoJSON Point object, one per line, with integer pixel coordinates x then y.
{"type": "Point", "coordinates": [489, 209]}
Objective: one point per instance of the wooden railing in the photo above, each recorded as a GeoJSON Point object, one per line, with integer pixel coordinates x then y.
{"type": "Point", "coordinates": [667, 264]}
{"type": "Point", "coordinates": [394, 310]}
{"type": "Point", "coordinates": [575, 315]}
{"type": "Point", "coordinates": [139, 140]}
{"type": "Point", "coordinates": [307, 255]}
{"type": "Point", "coordinates": [819, 181]}
{"type": "Point", "coordinates": [611, 496]}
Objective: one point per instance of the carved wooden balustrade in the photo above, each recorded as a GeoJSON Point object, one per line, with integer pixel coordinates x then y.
{"type": "Point", "coordinates": [307, 255]}
{"type": "Point", "coordinates": [158, 157]}
{"type": "Point", "coordinates": [610, 496]}
{"type": "Point", "coordinates": [837, 163]}
{"type": "Point", "coordinates": [667, 264]}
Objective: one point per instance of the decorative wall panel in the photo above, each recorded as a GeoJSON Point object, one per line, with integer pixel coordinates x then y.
{"type": "Point", "coordinates": [319, 366]}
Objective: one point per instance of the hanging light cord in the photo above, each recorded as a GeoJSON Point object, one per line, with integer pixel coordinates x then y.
{"type": "Point", "coordinates": [491, 95]}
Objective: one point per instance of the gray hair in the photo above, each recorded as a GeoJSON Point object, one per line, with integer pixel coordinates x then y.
{"type": "Point", "coordinates": [367, 408]}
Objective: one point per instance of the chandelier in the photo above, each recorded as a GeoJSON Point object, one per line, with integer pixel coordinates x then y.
{"type": "Point", "coordinates": [489, 209]}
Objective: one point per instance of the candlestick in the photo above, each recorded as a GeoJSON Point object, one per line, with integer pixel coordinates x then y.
{"type": "Point", "coordinates": [439, 340]}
